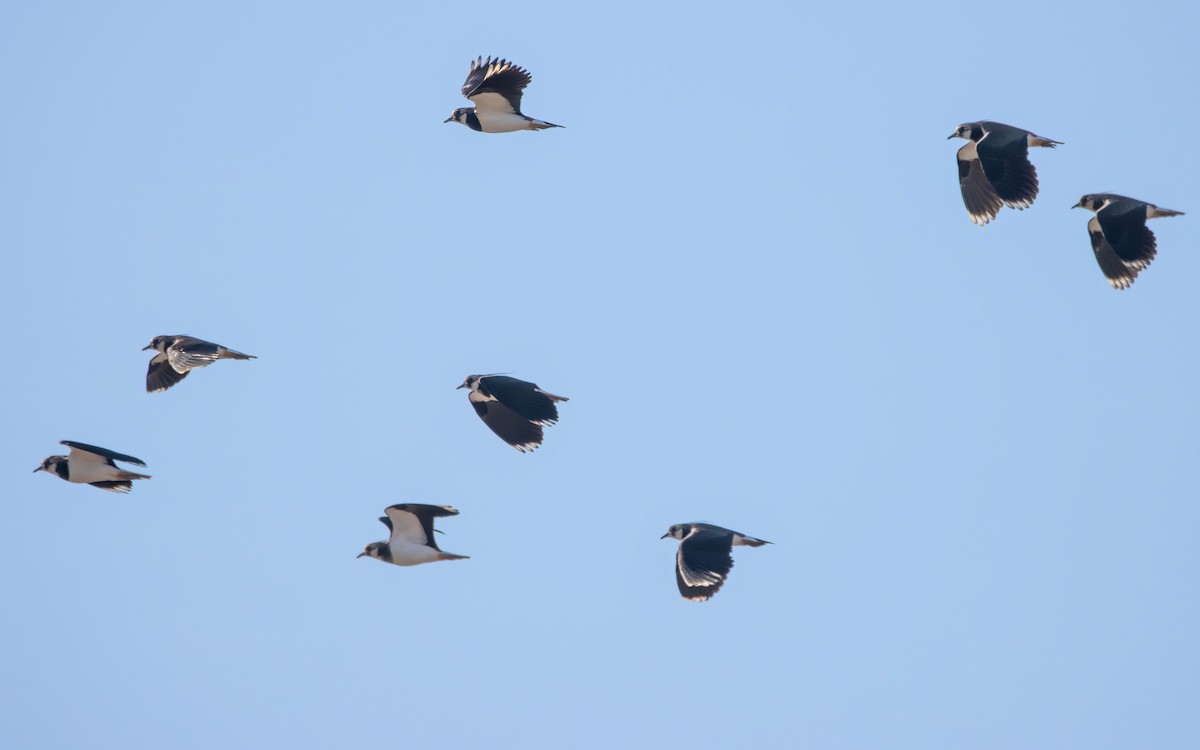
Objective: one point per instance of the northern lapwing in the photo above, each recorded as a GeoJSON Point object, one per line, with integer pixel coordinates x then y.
{"type": "Point", "coordinates": [495, 87]}
{"type": "Point", "coordinates": [513, 409]}
{"type": "Point", "coordinates": [1123, 244]}
{"type": "Point", "coordinates": [179, 355]}
{"type": "Point", "coordinates": [88, 464]}
{"type": "Point", "coordinates": [411, 539]}
{"type": "Point", "coordinates": [994, 168]}
{"type": "Point", "coordinates": [704, 558]}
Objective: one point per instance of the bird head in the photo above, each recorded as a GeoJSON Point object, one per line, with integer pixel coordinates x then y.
{"type": "Point", "coordinates": [49, 464]}
{"type": "Point", "coordinates": [678, 531]}
{"type": "Point", "coordinates": [966, 130]}
{"type": "Point", "coordinates": [371, 550]}
{"type": "Point", "coordinates": [1091, 202]}
{"type": "Point", "coordinates": [159, 343]}
{"type": "Point", "coordinates": [458, 115]}
{"type": "Point", "coordinates": [471, 383]}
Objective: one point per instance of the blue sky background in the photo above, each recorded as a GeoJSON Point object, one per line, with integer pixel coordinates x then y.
{"type": "Point", "coordinates": [745, 260]}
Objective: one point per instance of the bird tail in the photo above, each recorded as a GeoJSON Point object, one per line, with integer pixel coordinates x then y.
{"type": "Point", "coordinates": [552, 397]}
{"type": "Point", "coordinates": [452, 556]}
{"type": "Point", "coordinates": [750, 541]}
{"type": "Point", "coordinates": [130, 475]}
{"type": "Point", "coordinates": [1037, 140]}
{"type": "Point", "coordinates": [231, 354]}
{"type": "Point", "coordinates": [541, 124]}
{"type": "Point", "coordinates": [1157, 212]}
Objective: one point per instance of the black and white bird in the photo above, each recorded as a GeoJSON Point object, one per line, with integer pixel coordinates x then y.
{"type": "Point", "coordinates": [1123, 244]}
{"type": "Point", "coordinates": [513, 409]}
{"type": "Point", "coordinates": [179, 355]}
{"type": "Point", "coordinates": [495, 87]}
{"type": "Point", "coordinates": [704, 558]}
{"type": "Point", "coordinates": [411, 541]}
{"type": "Point", "coordinates": [994, 168]}
{"type": "Point", "coordinates": [88, 464]}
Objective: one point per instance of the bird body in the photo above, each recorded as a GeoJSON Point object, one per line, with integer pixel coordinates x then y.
{"type": "Point", "coordinates": [495, 87]}
{"type": "Point", "coordinates": [89, 464]}
{"type": "Point", "coordinates": [1124, 246]}
{"type": "Point", "coordinates": [178, 355]}
{"type": "Point", "coordinates": [411, 539]}
{"type": "Point", "coordinates": [703, 560]}
{"type": "Point", "coordinates": [406, 554]}
{"type": "Point", "coordinates": [994, 168]}
{"type": "Point", "coordinates": [514, 409]}
{"type": "Point", "coordinates": [486, 122]}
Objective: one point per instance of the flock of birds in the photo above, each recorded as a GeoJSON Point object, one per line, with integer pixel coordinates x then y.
{"type": "Point", "coordinates": [994, 171]}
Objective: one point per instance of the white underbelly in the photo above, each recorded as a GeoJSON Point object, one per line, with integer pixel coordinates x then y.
{"type": "Point", "coordinates": [502, 123]}
{"type": "Point", "coordinates": [92, 472]}
{"type": "Point", "coordinates": [413, 554]}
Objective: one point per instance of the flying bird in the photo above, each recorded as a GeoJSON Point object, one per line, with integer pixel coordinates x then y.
{"type": "Point", "coordinates": [411, 541]}
{"type": "Point", "coordinates": [495, 88]}
{"type": "Point", "coordinates": [994, 168]}
{"type": "Point", "coordinates": [703, 561]}
{"type": "Point", "coordinates": [1123, 244]}
{"type": "Point", "coordinates": [513, 409]}
{"type": "Point", "coordinates": [88, 464]}
{"type": "Point", "coordinates": [179, 355]}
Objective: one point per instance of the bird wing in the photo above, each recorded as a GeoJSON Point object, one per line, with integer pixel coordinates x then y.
{"type": "Point", "coordinates": [511, 427]}
{"type": "Point", "coordinates": [1004, 155]}
{"type": "Point", "coordinates": [1123, 222]}
{"type": "Point", "coordinates": [496, 86]}
{"type": "Point", "coordinates": [406, 526]}
{"type": "Point", "coordinates": [161, 375]}
{"type": "Point", "coordinates": [1119, 275]}
{"type": "Point", "coordinates": [702, 563]}
{"type": "Point", "coordinates": [84, 453]}
{"type": "Point", "coordinates": [188, 353]}
{"type": "Point", "coordinates": [124, 486]}
{"type": "Point", "coordinates": [979, 196]}
{"type": "Point", "coordinates": [526, 399]}
{"type": "Point", "coordinates": [413, 522]}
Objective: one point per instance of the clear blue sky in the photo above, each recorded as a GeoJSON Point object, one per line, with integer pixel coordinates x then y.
{"type": "Point", "coordinates": [745, 260]}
